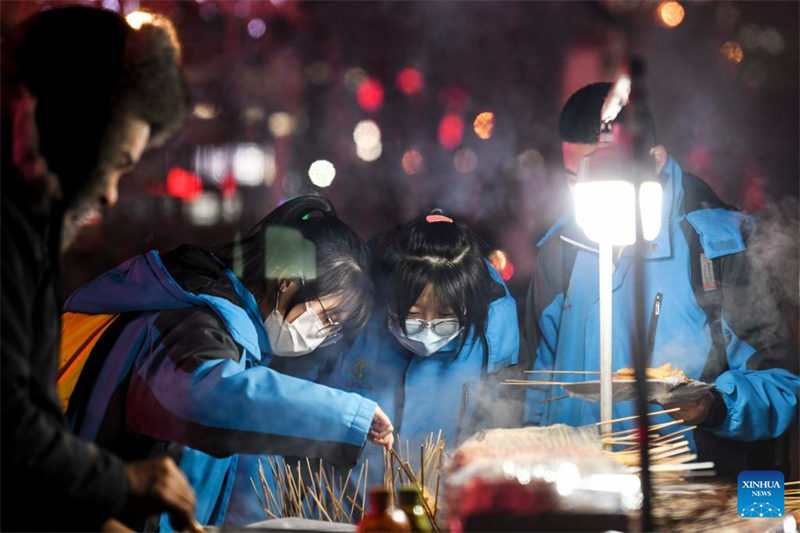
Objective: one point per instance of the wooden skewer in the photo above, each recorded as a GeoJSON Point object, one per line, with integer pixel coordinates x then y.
{"type": "Point", "coordinates": [265, 486]}
{"type": "Point", "coordinates": [532, 383]}
{"type": "Point", "coordinates": [626, 418]}
{"type": "Point", "coordinates": [411, 478]}
{"type": "Point", "coordinates": [671, 453]}
{"type": "Point", "coordinates": [561, 372]}
{"type": "Point", "coordinates": [436, 498]}
{"type": "Point", "coordinates": [422, 470]}
{"type": "Point", "coordinates": [358, 485]}
{"type": "Point", "coordinates": [320, 507]}
{"type": "Point", "coordinates": [674, 433]}
{"type": "Point", "coordinates": [679, 467]}
{"type": "Point", "coordinates": [650, 429]}
{"type": "Point", "coordinates": [364, 490]}
{"type": "Point", "coordinates": [792, 483]}
{"type": "Point", "coordinates": [355, 504]}
{"type": "Point", "coordinates": [563, 396]}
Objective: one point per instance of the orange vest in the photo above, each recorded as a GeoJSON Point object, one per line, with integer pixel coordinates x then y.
{"type": "Point", "coordinates": [79, 334]}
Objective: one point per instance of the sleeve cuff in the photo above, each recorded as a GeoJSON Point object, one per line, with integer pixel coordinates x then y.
{"type": "Point", "coordinates": [362, 421]}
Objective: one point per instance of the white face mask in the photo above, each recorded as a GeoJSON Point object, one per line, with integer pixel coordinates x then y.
{"type": "Point", "coordinates": [424, 342]}
{"type": "Point", "coordinates": [293, 339]}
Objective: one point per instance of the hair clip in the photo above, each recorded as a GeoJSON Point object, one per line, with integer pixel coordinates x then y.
{"type": "Point", "coordinates": [438, 218]}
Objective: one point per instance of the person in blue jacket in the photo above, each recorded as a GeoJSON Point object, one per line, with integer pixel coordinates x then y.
{"type": "Point", "coordinates": [444, 329]}
{"type": "Point", "coordinates": [718, 322]}
{"type": "Point", "coordinates": [181, 366]}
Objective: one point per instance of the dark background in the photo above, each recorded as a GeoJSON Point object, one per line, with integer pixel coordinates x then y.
{"type": "Point", "coordinates": [733, 123]}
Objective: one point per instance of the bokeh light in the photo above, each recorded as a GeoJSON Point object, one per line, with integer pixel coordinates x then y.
{"type": "Point", "coordinates": [204, 210]}
{"type": "Point", "coordinates": [205, 111]}
{"type": "Point", "coordinates": [281, 124]}
{"type": "Point", "coordinates": [112, 5]}
{"type": "Point", "coordinates": [367, 136]}
{"type": "Point", "coordinates": [451, 130]}
{"type": "Point", "coordinates": [249, 164]}
{"type": "Point", "coordinates": [184, 184]}
{"type": "Point", "coordinates": [369, 153]}
{"type": "Point", "coordinates": [353, 77]}
{"type": "Point", "coordinates": [670, 14]}
{"type": "Point", "coordinates": [367, 133]}
{"type": "Point", "coordinates": [410, 81]}
{"type": "Point", "coordinates": [502, 264]}
{"type": "Point", "coordinates": [732, 51]}
{"type": "Point", "coordinates": [256, 28]}
{"type": "Point", "coordinates": [321, 173]}
{"type": "Point", "coordinates": [465, 161]}
{"type": "Point", "coordinates": [370, 94]}
{"type": "Point", "coordinates": [484, 125]}
{"type": "Point", "coordinates": [412, 162]}
{"type": "Point", "coordinates": [136, 19]}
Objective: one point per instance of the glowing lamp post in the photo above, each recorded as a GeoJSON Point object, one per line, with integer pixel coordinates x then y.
{"type": "Point", "coordinates": [605, 208]}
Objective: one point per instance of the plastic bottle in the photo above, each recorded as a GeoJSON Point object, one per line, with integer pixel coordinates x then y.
{"type": "Point", "coordinates": [382, 516]}
{"type": "Point", "coordinates": [410, 501]}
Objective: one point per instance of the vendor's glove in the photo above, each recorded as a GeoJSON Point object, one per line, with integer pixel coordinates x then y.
{"type": "Point", "coordinates": [699, 412]}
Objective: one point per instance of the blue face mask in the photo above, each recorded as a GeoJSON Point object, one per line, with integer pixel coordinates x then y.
{"type": "Point", "coordinates": [423, 337]}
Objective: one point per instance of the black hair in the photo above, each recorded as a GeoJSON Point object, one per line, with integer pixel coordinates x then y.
{"type": "Point", "coordinates": [339, 257]}
{"type": "Point", "coordinates": [88, 70]}
{"type": "Point", "coordinates": [579, 121]}
{"type": "Point", "coordinates": [449, 257]}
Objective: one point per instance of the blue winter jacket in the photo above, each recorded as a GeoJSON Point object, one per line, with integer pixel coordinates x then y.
{"type": "Point", "coordinates": [455, 391]}
{"type": "Point", "coordinates": [187, 365]}
{"type": "Point", "coordinates": [718, 322]}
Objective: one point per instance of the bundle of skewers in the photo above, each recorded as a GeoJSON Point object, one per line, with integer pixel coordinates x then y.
{"type": "Point", "coordinates": [669, 452]}
{"type": "Point", "coordinates": [791, 497]}
{"type": "Point", "coordinates": [398, 471]}
{"type": "Point", "coordinates": [311, 490]}
{"type": "Point", "coordinates": [697, 507]}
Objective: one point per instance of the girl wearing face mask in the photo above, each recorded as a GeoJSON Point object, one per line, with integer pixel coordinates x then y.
{"type": "Point", "coordinates": [169, 353]}
{"type": "Point", "coordinates": [444, 328]}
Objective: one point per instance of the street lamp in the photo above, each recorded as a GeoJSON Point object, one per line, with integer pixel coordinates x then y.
{"type": "Point", "coordinates": [605, 208]}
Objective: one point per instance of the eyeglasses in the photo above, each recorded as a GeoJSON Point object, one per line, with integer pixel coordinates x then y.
{"type": "Point", "coordinates": [332, 331]}
{"type": "Point", "coordinates": [440, 326]}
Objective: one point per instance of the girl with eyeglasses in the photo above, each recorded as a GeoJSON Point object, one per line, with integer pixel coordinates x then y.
{"type": "Point", "coordinates": [169, 353]}
{"type": "Point", "coordinates": [444, 328]}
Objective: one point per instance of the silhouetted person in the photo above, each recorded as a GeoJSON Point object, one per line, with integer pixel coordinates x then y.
{"type": "Point", "coordinates": [83, 96]}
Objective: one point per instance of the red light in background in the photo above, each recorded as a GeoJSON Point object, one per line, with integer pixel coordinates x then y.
{"type": "Point", "coordinates": [184, 184]}
{"type": "Point", "coordinates": [500, 261]}
{"type": "Point", "coordinates": [410, 81]}
{"type": "Point", "coordinates": [228, 185]}
{"type": "Point", "coordinates": [451, 130]}
{"type": "Point", "coordinates": [370, 94]}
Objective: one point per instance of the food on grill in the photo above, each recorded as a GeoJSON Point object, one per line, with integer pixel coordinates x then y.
{"type": "Point", "coordinates": [662, 372]}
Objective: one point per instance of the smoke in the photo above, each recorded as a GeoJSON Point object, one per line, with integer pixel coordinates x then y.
{"type": "Point", "coordinates": [774, 252]}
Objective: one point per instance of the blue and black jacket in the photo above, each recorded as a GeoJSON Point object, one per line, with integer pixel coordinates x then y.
{"type": "Point", "coordinates": [183, 370]}
{"type": "Point", "coordinates": [718, 323]}
{"type": "Point", "coordinates": [455, 390]}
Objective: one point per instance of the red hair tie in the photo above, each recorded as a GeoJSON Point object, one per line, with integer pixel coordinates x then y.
{"type": "Point", "coordinates": [438, 218]}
